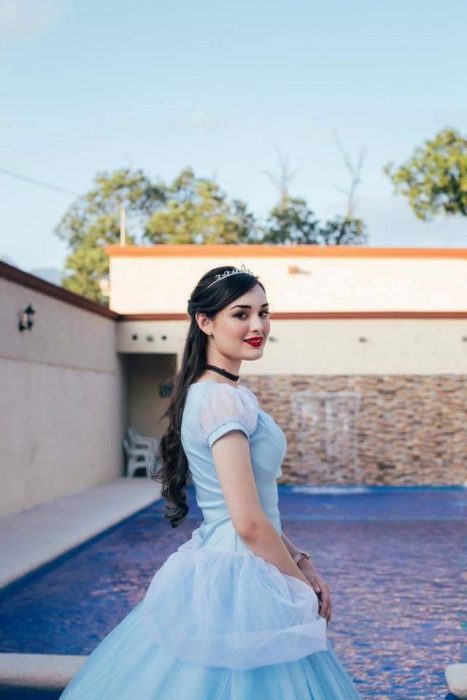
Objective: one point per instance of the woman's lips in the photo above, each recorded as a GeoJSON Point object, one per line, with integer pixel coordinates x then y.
{"type": "Point", "coordinates": [254, 343]}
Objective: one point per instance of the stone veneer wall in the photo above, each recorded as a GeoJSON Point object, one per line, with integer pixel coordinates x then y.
{"type": "Point", "coordinates": [387, 430]}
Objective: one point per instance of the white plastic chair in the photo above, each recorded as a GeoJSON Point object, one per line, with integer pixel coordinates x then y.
{"type": "Point", "coordinates": [142, 452]}
{"type": "Point", "coordinates": [137, 458]}
{"type": "Point", "coordinates": [138, 440]}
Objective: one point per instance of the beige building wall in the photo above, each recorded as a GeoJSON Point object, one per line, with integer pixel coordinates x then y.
{"type": "Point", "coordinates": [61, 399]}
{"type": "Point", "coordinates": [386, 346]}
{"type": "Point", "coordinates": [295, 281]}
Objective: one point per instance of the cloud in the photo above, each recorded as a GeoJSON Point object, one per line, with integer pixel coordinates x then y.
{"type": "Point", "coordinates": [23, 18]}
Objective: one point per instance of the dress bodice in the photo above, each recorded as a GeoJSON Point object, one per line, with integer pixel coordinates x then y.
{"type": "Point", "coordinates": [211, 410]}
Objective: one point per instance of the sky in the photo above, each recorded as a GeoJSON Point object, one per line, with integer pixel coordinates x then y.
{"type": "Point", "coordinates": [88, 87]}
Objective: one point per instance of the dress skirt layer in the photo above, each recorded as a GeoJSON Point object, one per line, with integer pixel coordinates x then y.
{"type": "Point", "coordinates": [129, 665]}
{"type": "Point", "coordinates": [217, 625]}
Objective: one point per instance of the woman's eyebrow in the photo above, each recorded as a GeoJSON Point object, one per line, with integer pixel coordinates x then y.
{"type": "Point", "coordinates": [247, 306]}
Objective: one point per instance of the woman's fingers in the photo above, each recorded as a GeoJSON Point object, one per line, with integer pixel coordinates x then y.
{"type": "Point", "coordinates": [324, 597]}
{"type": "Point", "coordinates": [322, 591]}
{"type": "Point", "coordinates": [325, 604]}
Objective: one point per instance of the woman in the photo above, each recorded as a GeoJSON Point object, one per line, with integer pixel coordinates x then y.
{"type": "Point", "coordinates": [238, 612]}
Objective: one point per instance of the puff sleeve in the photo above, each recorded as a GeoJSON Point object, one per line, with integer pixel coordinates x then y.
{"type": "Point", "coordinates": [226, 408]}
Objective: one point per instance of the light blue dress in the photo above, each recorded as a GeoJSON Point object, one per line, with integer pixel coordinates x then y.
{"type": "Point", "coordinates": [219, 622]}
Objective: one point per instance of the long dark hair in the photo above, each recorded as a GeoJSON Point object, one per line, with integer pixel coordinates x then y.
{"type": "Point", "coordinates": [210, 300]}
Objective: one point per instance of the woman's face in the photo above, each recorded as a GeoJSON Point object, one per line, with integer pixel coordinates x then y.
{"type": "Point", "coordinates": [245, 318]}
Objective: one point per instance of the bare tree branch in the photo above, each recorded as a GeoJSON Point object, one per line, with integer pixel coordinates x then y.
{"type": "Point", "coordinates": [282, 181]}
{"type": "Point", "coordinates": [355, 175]}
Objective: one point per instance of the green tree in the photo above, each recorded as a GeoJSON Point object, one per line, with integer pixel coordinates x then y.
{"type": "Point", "coordinates": [291, 221]}
{"type": "Point", "coordinates": [198, 211]}
{"type": "Point", "coordinates": [93, 222]}
{"type": "Point", "coordinates": [190, 210]}
{"type": "Point", "coordinates": [434, 179]}
{"type": "Point", "coordinates": [344, 230]}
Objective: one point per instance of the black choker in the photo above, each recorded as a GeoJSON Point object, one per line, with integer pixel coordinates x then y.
{"type": "Point", "coordinates": [224, 372]}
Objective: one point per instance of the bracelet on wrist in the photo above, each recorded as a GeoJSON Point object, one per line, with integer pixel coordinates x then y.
{"type": "Point", "coordinates": [300, 555]}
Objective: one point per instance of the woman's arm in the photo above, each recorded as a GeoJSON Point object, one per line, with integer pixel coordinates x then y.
{"type": "Point", "coordinates": [231, 454]}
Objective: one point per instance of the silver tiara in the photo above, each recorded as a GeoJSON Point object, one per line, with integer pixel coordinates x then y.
{"type": "Point", "coordinates": [228, 273]}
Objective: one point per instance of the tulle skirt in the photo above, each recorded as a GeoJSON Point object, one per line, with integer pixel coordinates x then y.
{"type": "Point", "coordinates": [217, 625]}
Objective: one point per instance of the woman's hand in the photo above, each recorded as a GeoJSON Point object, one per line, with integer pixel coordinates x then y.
{"type": "Point", "coordinates": [319, 586]}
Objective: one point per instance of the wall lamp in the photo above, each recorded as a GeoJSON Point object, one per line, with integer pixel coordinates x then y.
{"type": "Point", "coordinates": [26, 318]}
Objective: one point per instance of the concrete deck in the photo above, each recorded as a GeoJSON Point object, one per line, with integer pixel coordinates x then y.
{"type": "Point", "coordinates": [38, 535]}
{"type": "Point", "coordinates": [40, 671]}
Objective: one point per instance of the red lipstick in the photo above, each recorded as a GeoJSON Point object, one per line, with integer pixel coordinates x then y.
{"type": "Point", "coordinates": [254, 342]}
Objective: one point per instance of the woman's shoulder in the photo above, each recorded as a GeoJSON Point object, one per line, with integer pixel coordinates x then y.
{"type": "Point", "coordinates": [215, 404]}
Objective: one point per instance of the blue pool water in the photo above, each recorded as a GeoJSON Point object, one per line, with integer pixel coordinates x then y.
{"type": "Point", "coordinates": [393, 558]}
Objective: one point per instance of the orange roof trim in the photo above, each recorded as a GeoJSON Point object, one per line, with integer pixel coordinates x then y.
{"type": "Point", "coordinates": [314, 315]}
{"type": "Point", "coordinates": [279, 251]}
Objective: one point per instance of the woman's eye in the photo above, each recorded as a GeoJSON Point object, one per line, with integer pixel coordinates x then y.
{"type": "Point", "coordinates": [243, 313]}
